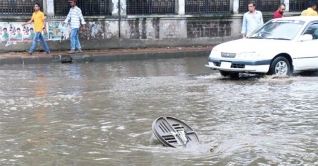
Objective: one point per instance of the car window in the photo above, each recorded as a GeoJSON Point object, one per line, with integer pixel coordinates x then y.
{"type": "Point", "coordinates": [312, 30]}
{"type": "Point", "coordinates": [279, 30]}
{"type": "Point", "coordinates": [285, 30]}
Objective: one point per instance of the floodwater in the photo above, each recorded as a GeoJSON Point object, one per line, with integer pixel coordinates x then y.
{"type": "Point", "coordinates": [101, 114]}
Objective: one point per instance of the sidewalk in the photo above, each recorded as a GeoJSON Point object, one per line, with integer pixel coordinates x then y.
{"type": "Point", "coordinates": [103, 55]}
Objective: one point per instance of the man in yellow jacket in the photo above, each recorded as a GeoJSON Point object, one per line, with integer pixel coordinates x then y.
{"type": "Point", "coordinates": [311, 11]}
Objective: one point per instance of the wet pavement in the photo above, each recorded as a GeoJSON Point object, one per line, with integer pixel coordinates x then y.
{"type": "Point", "coordinates": [107, 52]}
{"type": "Point", "coordinates": [88, 56]}
{"type": "Point", "coordinates": [101, 114]}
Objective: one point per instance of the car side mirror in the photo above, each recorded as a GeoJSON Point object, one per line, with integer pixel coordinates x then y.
{"type": "Point", "coordinates": [305, 37]}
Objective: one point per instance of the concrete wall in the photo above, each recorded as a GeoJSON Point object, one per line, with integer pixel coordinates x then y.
{"type": "Point", "coordinates": [133, 31]}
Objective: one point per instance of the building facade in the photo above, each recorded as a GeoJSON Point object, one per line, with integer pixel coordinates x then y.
{"type": "Point", "coordinates": [135, 23]}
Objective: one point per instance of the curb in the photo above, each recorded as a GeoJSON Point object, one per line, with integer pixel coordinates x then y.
{"type": "Point", "coordinates": [84, 58]}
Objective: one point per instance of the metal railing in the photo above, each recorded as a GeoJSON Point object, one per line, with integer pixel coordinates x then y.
{"type": "Point", "coordinates": [297, 5]}
{"type": "Point", "coordinates": [140, 7]}
{"type": "Point", "coordinates": [207, 6]}
{"type": "Point", "coordinates": [102, 7]}
{"type": "Point", "coordinates": [261, 5]}
{"type": "Point", "coordinates": [18, 7]}
{"type": "Point", "coordinates": [88, 7]}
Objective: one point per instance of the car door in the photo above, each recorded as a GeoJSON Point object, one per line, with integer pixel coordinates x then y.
{"type": "Point", "coordinates": [306, 54]}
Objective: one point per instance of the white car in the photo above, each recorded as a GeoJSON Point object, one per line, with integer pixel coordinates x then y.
{"type": "Point", "coordinates": [281, 46]}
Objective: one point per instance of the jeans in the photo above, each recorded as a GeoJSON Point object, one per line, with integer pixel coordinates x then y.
{"type": "Point", "coordinates": [74, 39]}
{"type": "Point", "coordinates": [37, 36]}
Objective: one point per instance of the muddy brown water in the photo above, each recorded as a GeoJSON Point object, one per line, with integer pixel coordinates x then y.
{"type": "Point", "coordinates": [101, 114]}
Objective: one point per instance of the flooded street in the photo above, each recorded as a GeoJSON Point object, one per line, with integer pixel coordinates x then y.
{"type": "Point", "coordinates": [101, 114]}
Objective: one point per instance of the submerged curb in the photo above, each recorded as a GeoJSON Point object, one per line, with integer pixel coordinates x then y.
{"type": "Point", "coordinates": [84, 58]}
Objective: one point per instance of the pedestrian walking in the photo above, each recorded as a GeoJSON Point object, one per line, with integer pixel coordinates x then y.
{"type": "Point", "coordinates": [311, 10]}
{"type": "Point", "coordinates": [252, 20]}
{"type": "Point", "coordinates": [39, 25]}
{"type": "Point", "coordinates": [280, 11]}
{"type": "Point", "coordinates": [75, 17]}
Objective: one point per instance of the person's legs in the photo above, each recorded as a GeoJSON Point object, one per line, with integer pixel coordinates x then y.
{"type": "Point", "coordinates": [77, 43]}
{"type": "Point", "coordinates": [47, 49]}
{"type": "Point", "coordinates": [73, 39]}
{"type": "Point", "coordinates": [35, 41]}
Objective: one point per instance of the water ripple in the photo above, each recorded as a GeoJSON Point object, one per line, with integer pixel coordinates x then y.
{"type": "Point", "coordinates": [101, 114]}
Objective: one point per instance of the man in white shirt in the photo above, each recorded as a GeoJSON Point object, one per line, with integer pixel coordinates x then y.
{"type": "Point", "coordinates": [75, 17]}
{"type": "Point", "coordinates": [252, 20]}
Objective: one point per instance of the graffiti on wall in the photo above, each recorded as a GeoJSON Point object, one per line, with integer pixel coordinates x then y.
{"type": "Point", "coordinates": [94, 30]}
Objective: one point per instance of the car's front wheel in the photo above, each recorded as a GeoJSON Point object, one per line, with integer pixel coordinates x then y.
{"type": "Point", "coordinates": [280, 66]}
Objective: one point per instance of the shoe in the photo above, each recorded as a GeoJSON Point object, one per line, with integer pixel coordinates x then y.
{"type": "Point", "coordinates": [30, 53]}
{"type": "Point", "coordinates": [71, 52]}
{"type": "Point", "coordinates": [47, 52]}
{"type": "Point", "coordinates": [79, 50]}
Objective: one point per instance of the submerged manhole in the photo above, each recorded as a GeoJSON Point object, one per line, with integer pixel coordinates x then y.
{"type": "Point", "coordinates": [172, 132]}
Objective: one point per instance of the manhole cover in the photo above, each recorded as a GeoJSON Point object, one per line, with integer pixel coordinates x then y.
{"type": "Point", "coordinates": [172, 132]}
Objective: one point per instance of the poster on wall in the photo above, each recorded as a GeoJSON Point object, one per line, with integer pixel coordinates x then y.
{"type": "Point", "coordinates": [46, 36]}
{"type": "Point", "coordinates": [57, 31]}
{"type": "Point", "coordinates": [4, 31]}
{"type": "Point", "coordinates": [28, 32]}
{"type": "Point", "coordinates": [16, 31]}
{"type": "Point", "coordinates": [13, 32]}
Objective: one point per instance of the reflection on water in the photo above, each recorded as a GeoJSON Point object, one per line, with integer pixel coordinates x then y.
{"type": "Point", "coordinates": [101, 114]}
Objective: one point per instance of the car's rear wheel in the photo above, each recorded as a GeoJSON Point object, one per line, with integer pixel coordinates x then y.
{"type": "Point", "coordinates": [231, 74]}
{"type": "Point", "coordinates": [280, 66]}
